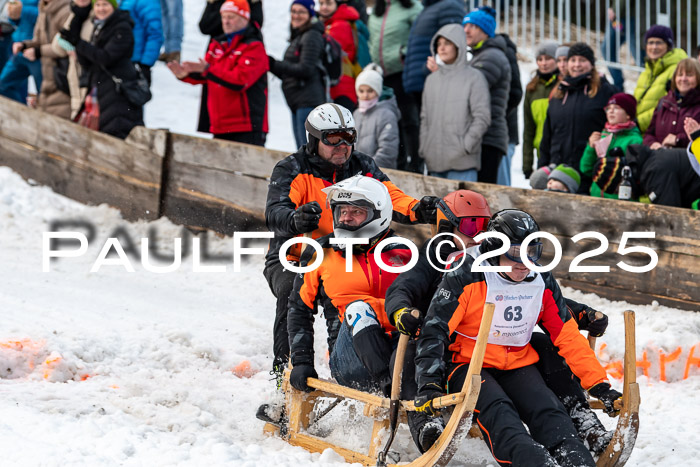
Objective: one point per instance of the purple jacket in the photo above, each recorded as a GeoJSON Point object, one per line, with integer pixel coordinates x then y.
{"type": "Point", "coordinates": [669, 116]}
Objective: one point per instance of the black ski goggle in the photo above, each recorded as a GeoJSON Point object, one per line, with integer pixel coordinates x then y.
{"type": "Point", "coordinates": [336, 138]}
{"type": "Point", "coordinates": [534, 252]}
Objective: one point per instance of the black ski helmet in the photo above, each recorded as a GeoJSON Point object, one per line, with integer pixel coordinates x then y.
{"type": "Point", "coordinates": [514, 223]}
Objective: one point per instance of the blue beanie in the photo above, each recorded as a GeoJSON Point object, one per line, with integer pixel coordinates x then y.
{"type": "Point", "coordinates": [308, 4]}
{"type": "Point", "coordinates": [480, 18]}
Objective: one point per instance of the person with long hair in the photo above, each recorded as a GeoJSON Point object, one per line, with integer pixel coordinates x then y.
{"type": "Point", "coordinates": [575, 111]}
{"type": "Point", "coordinates": [682, 101]}
{"type": "Point", "coordinates": [537, 93]}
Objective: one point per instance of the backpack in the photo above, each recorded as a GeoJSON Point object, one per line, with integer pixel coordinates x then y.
{"type": "Point", "coordinates": [332, 59]}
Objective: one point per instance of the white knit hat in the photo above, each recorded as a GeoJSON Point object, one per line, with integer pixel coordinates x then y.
{"type": "Point", "coordinates": [372, 77]}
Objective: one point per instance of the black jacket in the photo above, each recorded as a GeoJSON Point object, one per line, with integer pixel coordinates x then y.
{"type": "Point", "coordinates": [570, 122]}
{"type": "Point", "coordinates": [110, 49]}
{"type": "Point", "coordinates": [516, 90]}
{"type": "Point", "coordinates": [302, 82]}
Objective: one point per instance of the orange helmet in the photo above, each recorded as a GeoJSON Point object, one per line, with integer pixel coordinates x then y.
{"type": "Point", "coordinates": [466, 210]}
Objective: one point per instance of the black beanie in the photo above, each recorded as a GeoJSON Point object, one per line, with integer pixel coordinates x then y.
{"type": "Point", "coordinates": [583, 50]}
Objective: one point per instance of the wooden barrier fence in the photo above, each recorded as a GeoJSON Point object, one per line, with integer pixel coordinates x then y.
{"type": "Point", "coordinates": [222, 186]}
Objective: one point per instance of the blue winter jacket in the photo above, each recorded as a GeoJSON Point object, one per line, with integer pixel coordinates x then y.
{"type": "Point", "coordinates": [148, 29]}
{"type": "Point", "coordinates": [435, 15]}
{"type": "Point", "coordinates": [25, 25]}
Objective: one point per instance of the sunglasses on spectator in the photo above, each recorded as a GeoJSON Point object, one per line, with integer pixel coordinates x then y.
{"type": "Point", "coordinates": [336, 138]}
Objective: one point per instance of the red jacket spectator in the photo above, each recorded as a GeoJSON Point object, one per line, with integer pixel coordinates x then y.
{"type": "Point", "coordinates": [236, 79]}
{"type": "Point", "coordinates": [340, 28]}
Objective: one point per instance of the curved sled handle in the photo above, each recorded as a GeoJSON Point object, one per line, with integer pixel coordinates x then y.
{"type": "Point", "coordinates": [592, 339]}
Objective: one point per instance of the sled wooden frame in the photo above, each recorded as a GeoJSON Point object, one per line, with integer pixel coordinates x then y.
{"type": "Point", "coordinates": [620, 448]}
{"type": "Point", "coordinates": [299, 406]}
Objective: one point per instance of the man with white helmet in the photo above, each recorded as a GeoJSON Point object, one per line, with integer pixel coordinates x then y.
{"type": "Point", "coordinates": [296, 202]}
{"type": "Point", "coordinates": [361, 208]}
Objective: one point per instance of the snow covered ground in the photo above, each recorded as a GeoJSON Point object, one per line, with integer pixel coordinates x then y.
{"type": "Point", "coordinates": [140, 368]}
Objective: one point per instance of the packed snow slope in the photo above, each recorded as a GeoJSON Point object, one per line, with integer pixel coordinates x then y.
{"type": "Point", "coordinates": [145, 368]}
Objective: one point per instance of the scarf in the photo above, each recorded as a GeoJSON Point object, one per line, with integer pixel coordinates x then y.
{"type": "Point", "coordinates": [364, 106]}
{"type": "Point", "coordinates": [603, 144]}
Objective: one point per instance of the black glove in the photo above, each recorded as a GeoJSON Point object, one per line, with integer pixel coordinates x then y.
{"type": "Point", "coordinates": [426, 209]}
{"type": "Point", "coordinates": [596, 326]}
{"type": "Point", "coordinates": [405, 322]}
{"type": "Point", "coordinates": [307, 216]}
{"type": "Point", "coordinates": [424, 399]}
{"type": "Point", "coordinates": [145, 70]}
{"type": "Point", "coordinates": [69, 36]}
{"type": "Point", "coordinates": [299, 374]}
{"type": "Point", "coordinates": [527, 174]}
{"type": "Point", "coordinates": [272, 62]}
{"type": "Point", "coordinates": [607, 396]}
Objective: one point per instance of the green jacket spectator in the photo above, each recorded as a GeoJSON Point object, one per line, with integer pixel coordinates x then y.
{"type": "Point", "coordinates": [388, 34]}
{"type": "Point", "coordinates": [534, 115]}
{"type": "Point", "coordinates": [651, 86]}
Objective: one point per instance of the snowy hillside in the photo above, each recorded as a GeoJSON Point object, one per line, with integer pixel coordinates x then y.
{"type": "Point", "coordinates": [158, 369]}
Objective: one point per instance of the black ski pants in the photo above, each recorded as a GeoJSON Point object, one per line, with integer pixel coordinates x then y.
{"type": "Point", "coordinates": [281, 282]}
{"type": "Point", "coordinates": [670, 177]}
{"type": "Point", "coordinates": [510, 397]}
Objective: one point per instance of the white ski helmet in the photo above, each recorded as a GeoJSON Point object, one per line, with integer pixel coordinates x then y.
{"type": "Point", "coordinates": [329, 118]}
{"type": "Point", "coordinates": [365, 192]}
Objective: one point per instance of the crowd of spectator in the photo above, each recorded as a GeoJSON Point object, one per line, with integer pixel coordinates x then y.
{"type": "Point", "coordinates": [434, 89]}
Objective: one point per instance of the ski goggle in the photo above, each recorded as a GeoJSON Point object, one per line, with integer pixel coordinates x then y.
{"type": "Point", "coordinates": [534, 252]}
{"type": "Point", "coordinates": [472, 226]}
{"type": "Point", "coordinates": [336, 138]}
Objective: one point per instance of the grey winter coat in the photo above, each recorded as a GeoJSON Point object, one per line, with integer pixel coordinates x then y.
{"type": "Point", "coordinates": [456, 112]}
{"type": "Point", "coordinates": [491, 60]}
{"type": "Point", "coordinates": [378, 132]}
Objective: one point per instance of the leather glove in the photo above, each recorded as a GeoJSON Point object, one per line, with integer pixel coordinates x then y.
{"type": "Point", "coordinates": [299, 375]}
{"type": "Point", "coordinates": [607, 396]}
{"type": "Point", "coordinates": [405, 322]}
{"type": "Point", "coordinates": [68, 36]}
{"type": "Point", "coordinates": [595, 322]}
{"type": "Point", "coordinates": [307, 216]}
{"type": "Point", "coordinates": [426, 209]}
{"type": "Point", "coordinates": [424, 399]}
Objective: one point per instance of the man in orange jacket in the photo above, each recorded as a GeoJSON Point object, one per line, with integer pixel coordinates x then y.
{"type": "Point", "coordinates": [512, 388]}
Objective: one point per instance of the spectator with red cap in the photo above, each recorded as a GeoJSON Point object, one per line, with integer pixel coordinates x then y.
{"type": "Point", "coordinates": [235, 73]}
{"type": "Point", "coordinates": [603, 157]}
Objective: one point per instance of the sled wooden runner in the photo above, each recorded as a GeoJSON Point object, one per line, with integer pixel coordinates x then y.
{"type": "Point", "coordinates": [300, 405]}
{"type": "Point", "coordinates": [620, 448]}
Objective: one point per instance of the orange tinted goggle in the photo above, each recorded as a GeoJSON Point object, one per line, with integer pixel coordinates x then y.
{"type": "Point", "coordinates": [336, 138]}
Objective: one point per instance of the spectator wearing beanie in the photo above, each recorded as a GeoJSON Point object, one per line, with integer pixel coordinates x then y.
{"type": "Point", "coordinates": [681, 102]}
{"type": "Point", "coordinates": [489, 57]}
{"type": "Point", "coordinates": [538, 180]}
{"type": "Point", "coordinates": [660, 63]}
{"type": "Point", "coordinates": [455, 113]}
{"type": "Point", "coordinates": [235, 73]}
{"type": "Point", "coordinates": [564, 179]}
{"type": "Point", "coordinates": [602, 158]}
{"type": "Point", "coordinates": [302, 84]}
{"type": "Point", "coordinates": [537, 94]}
{"type": "Point", "coordinates": [562, 57]}
{"type": "Point", "coordinates": [376, 118]}
{"type": "Point", "coordinates": [575, 111]}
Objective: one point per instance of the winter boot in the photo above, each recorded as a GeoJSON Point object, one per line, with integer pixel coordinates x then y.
{"type": "Point", "coordinates": [572, 453]}
{"type": "Point", "coordinates": [589, 428]}
{"type": "Point", "coordinates": [430, 432]}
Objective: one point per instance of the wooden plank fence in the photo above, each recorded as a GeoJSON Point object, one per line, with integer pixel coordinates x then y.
{"type": "Point", "coordinates": [222, 186]}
